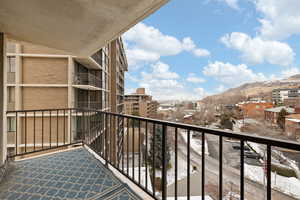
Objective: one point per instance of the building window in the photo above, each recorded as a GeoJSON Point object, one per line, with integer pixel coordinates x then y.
{"type": "Point", "coordinates": [10, 94]}
{"type": "Point", "coordinates": [11, 124]}
{"type": "Point", "coordinates": [11, 61]}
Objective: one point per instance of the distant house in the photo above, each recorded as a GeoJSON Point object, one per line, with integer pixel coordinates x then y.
{"type": "Point", "coordinates": [292, 126]}
{"type": "Point", "coordinates": [292, 101]}
{"type": "Point", "coordinates": [271, 114]}
{"type": "Point", "coordinates": [188, 119]}
{"type": "Point", "coordinates": [255, 109]}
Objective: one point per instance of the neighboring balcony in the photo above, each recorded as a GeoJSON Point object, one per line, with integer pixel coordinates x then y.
{"type": "Point", "coordinates": [98, 57]}
{"type": "Point", "coordinates": [94, 105]}
{"type": "Point", "coordinates": [128, 157]}
{"type": "Point", "coordinates": [87, 81]}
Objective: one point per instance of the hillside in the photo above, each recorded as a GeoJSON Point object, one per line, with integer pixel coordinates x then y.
{"type": "Point", "coordinates": [256, 89]}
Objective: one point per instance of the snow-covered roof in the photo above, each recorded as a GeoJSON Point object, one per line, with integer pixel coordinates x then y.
{"type": "Point", "coordinates": [187, 116]}
{"type": "Point", "coordinates": [278, 109]}
{"type": "Point", "coordinates": [294, 120]}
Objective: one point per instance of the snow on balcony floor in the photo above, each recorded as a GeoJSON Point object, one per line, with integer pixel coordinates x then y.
{"type": "Point", "coordinates": [73, 174]}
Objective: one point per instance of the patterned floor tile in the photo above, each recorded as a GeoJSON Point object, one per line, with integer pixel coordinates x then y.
{"type": "Point", "coordinates": [74, 174]}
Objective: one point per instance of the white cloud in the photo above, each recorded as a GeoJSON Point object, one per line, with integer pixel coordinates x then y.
{"type": "Point", "coordinates": [128, 76]}
{"type": "Point", "coordinates": [281, 18]}
{"type": "Point", "coordinates": [189, 45]}
{"type": "Point", "coordinates": [194, 79]}
{"type": "Point", "coordinates": [129, 90]}
{"type": "Point", "coordinates": [258, 51]}
{"type": "Point", "coordinates": [164, 84]}
{"type": "Point", "coordinates": [136, 56]}
{"type": "Point", "coordinates": [201, 52]}
{"type": "Point", "coordinates": [146, 44]}
{"type": "Point", "coordinates": [232, 75]}
{"type": "Point", "coordinates": [232, 3]}
{"type": "Point", "coordinates": [201, 92]}
{"type": "Point", "coordinates": [290, 72]}
{"type": "Point", "coordinates": [160, 70]}
{"type": "Point", "coordinates": [221, 88]}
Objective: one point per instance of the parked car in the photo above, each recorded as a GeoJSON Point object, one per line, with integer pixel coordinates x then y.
{"type": "Point", "coordinates": [252, 155]}
{"type": "Point", "coordinates": [238, 147]}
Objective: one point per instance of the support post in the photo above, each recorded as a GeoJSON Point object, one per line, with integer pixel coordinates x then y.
{"type": "Point", "coordinates": [3, 139]}
{"type": "Point", "coordinates": [113, 101]}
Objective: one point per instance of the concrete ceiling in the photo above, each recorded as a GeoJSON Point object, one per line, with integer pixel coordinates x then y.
{"type": "Point", "coordinates": [79, 27]}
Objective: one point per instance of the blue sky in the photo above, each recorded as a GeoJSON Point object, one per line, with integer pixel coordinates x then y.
{"type": "Point", "coordinates": [190, 49]}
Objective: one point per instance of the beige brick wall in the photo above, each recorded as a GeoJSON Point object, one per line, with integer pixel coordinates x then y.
{"type": "Point", "coordinates": [11, 47]}
{"type": "Point", "coordinates": [136, 140]}
{"type": "Point", "coordinates": [11, 137]}
{"type": "Point", "coordinates": [45, 98]}
{"type": "Point", "coordinates": [38, 70]}
{"type": "Point", "coordinates": [38, 49]}
{"type": "Point", "coordinates": [42, 133]}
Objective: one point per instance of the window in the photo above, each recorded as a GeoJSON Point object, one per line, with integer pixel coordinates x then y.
{"type": "Point", "coordinates": [10, 94]}
{"type": "Point", "coordinates": [11, 61]}
{"type": "Point", "coordinates": [11, 124]}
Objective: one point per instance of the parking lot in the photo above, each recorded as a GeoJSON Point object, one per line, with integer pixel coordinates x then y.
{"type": "Point", "coordinates": [231, 152]}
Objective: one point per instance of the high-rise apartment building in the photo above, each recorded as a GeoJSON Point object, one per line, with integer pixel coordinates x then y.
{"type": "Point", "coordinates": [42, 78]}
{"type": "Point", "coordinates": [140, 103]}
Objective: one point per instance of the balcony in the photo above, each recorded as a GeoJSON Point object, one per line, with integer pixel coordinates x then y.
{"type": "Point", "coordinates": [114, 149]}
{"type": "Point", "coordinates": [94, 105]}
{"type": "Point", "coordinates": [87, 81]}
{"type": "Point", "coordinates": [98, 57]}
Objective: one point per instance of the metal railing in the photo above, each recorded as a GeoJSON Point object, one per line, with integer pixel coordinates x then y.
{"type": "Point", "coordinates": [87, 79]}
{"type": "Point", "coordinates": [139, 149]}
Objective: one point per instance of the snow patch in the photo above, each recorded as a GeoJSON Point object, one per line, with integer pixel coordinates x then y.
{"type": "Point", "coordinates": [196, 144]}
{"type": "Point", "coordinates": [288, 185]}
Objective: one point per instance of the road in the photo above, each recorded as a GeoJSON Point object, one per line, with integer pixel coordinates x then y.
{"type": "Point", "coordinates": [231, 177]}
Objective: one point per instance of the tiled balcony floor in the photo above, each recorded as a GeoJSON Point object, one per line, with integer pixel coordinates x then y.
{"type": "Point", "coordinates": [73, 174]}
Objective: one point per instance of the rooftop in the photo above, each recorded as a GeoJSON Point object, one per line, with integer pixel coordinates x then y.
{"type": "Point", "coordinates": [278, 109]}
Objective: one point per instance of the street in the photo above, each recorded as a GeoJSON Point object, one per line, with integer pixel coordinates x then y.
{"type": "Point", "coordinates": [231, 176]}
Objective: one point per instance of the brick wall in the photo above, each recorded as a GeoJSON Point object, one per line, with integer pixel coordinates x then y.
{"type": "Point", "coordinates": [45, 70]}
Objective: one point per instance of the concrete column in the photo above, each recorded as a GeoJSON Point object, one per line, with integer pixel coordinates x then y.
{"type": "Point", "coordinates": [113, 101]}
{"type": "Point", "coordinates": [3, 138]}
{"type": "Point", "coordinates": [70, 98]}
{"type": "Point", "coordinates": [18, 93]}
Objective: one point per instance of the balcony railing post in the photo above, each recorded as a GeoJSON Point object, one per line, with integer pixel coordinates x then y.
{"type": "Point", "coordinates": [176, 162]}
{"type": "Point", "coordinates": [220, 167]}
{"type": "Point", "coordinates": [203, 166]}
{"type": "Point", "coordinates": [16, 133]}
{"type": "Point", "coordinates": [164, 162]}
{"type": "Point", "coordinates": [242, 171]}
{"type": "Point", "coordinates": [188, 163]}
{"type": "Point", "coordinates": [26, 132]}
{"type": "Point", "coordinates": [269, 183]}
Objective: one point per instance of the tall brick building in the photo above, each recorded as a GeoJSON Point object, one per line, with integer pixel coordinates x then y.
{"type": "Point", "coordinates": [39, 77]}
{"type": "Point", "coordinates": [140, 103]}
{"type": "Point", "coordinates": [255, 109]}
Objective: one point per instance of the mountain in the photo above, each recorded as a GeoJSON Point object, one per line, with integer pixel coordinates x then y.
{"type": "Point", "coordinates": [252, 90]}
